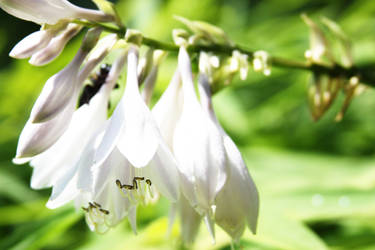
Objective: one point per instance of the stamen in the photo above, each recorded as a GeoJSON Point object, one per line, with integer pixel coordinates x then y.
{"type": "Point", "coordinates": [141, 191]}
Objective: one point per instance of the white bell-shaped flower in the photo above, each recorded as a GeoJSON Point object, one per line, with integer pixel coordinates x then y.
{"type": "Point", "coordinates": [199, 149]}
{"type": "Point", "coordinates": [133, 132]}
{"type": "Point", "coordinates": [237, 202]}
{"type": "Point", "coordinates": [51, 11]}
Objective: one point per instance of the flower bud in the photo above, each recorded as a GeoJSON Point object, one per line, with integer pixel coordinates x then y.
{"type": "Point", "coordinates": [133, 36]}
{"type": "Point", "coordinates": [180, 37]}
{"type": "Point", "coordinates": [205, 32]}
{"type": "Point", "coordinates": [261, 62]}
{"type": "Point", "coordinates": [55, 47]}
{"type": "Point", "coordinates": [31, 44]}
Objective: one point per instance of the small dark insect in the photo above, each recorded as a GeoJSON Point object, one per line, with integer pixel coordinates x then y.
{"type": "Point", "coordinates": [97, 80]}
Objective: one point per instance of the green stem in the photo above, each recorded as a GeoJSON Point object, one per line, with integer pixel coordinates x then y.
{"type": "Point", "coordinates": [365, 72]}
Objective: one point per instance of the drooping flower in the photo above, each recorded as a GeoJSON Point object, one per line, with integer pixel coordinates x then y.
{"type": "Point", "coordinates": [111, 188]}
{"type": "Point", "coordinates": [38, 137]}
{"type": "Point", "coordinates": [133, 132]}
{"type": "Point", "coordinates": [51, 11]}
{"type": "Point", "coordinates": [191, 128]}
{"type": "Point", "coordinates": [199, 149]}
{"type": "Point", "coordinates": [237, 202]}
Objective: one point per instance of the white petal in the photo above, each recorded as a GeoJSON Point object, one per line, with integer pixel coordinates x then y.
{"type": "Point", "coordinates": [167, 110]}
{"type": "Point", "coordinates": [242, 184]}
{"type": "Point", "coordinates": [190, 221]}
{"type": "Point", "coordinates": [139, 137]}
{"type": "Point", "coordinates": [115, 163]}
{"type": "Point", "coordinates": [115, 124]}
{"type": "Point", "coordinates": [55, 47]}
{"type": "Point", "coordinates": [64, 190]}
{"type": "Point", "coordinates": [31, 44]}
{"type": "Point", "coordinates": [163, 172]}
{"type": "Point", "coordinates": [86, 163]}
{"type": "Point", "coordinates": [65, 153]}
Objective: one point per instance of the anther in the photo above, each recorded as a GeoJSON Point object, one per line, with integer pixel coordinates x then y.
{"type": "Point", "coordinates": [148, 181]}
{"type": "Point", "coordinates": [106, 212]}
{"type": "Point", "coordinates": [97, 204]}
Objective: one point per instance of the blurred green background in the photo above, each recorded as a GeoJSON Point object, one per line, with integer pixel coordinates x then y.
{"type": "Point", "coordinates": [316, 180]}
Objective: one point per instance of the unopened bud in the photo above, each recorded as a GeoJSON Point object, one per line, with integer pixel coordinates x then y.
{"type": "Point", "coordinates": [180, 37]}
{"type": "Point", "coordinates": [133, 36]}
{"type": "Point", "coordinates": [55, 47]}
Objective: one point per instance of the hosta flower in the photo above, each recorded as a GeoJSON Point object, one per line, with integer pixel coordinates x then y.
{"type": "Point", "coordinates": [109, 189]}
{"type": "Point", "coordinates": [37, 137]}
{"type": "Point", "coordinates": [237, 203]}
{"type": "Point", "coordinates": [51, 11]}
{"type": "Point", "coordinates": [198, 147]}
{"type": "Point", "coordinates": [133, 132]}
{"type": "Point", "coordinates": [215, 180]}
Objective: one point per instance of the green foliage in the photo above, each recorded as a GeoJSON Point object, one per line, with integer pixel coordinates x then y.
{"type": "Point", "coordinates": [316, 180]}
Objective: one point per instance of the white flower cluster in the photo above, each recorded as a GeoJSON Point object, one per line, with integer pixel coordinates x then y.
{"type": "Point", "coordinates": [110, 165]}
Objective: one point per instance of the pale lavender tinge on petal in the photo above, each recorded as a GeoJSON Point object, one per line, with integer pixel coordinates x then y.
{"type": "Point", "coordinates": [37, 137]}
{"type": "Point", "coordinates": [55, 46]}
{"type": "Point", "coordinates": [51, 11]}
{"type": "Point", "coordinates": [58, 91]}
{"type": "Point", "coordinates": [31, 44]}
